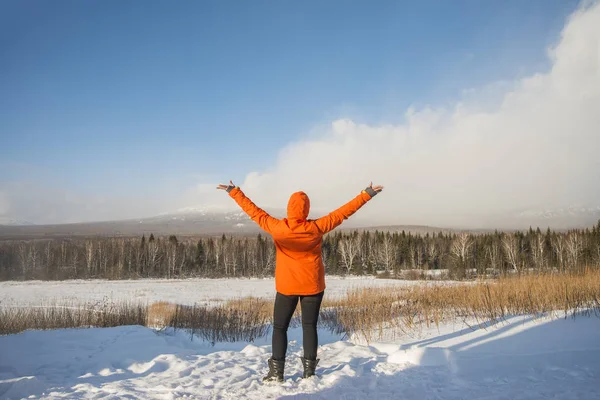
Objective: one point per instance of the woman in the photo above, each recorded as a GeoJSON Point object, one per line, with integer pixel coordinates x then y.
{"type": "Point", "coordinates": [299, 271]}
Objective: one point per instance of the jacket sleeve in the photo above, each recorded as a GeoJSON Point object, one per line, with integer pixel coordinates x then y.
{"type": "Point", "coordinates": [334, 219]}
{"type": "Point", "coordinates": [256, 214]}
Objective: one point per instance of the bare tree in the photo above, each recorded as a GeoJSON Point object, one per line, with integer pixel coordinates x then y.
{"type": "Point", "coordinates": [365, 251]}
{"type": "Point", "coordinates": [412, 253]}
{"type": "Point", "coordinates": [63, 255]}
{"type": "Point", "coordinates": [129, 259]}
{"type": "Point", "coordinates": [140, 253]}
{"type": "Point", "coordinates": [432, 252]}
{"type": "Point", "coordinates": [153, 256]}
{"type": "Point", "coordinates": [89, 256]}
{"type": "Point", "coordinates": [75, 263]}
{"type": "Point", "coordinates": [102, 257]}
{"type": "Point", "coordinates": [48, 256]}
{"type": "Point", "coordinates": [574, 246]}
{"type": "Point", "coordinates": [420, 255]}
{"type": "Point", "coordinates": [537, 251]}
{"type": "Point", "coordinates": [230, 258]}
{"type": "Point", "coordinates": [185, 252]}
{"type": "Point", "coordinates": [33, 259]}
{"type": "Point", "coordinates": [218, 253]}
{"type": "Point", "coordinates": [270, 259]}
{"type": "Point", "coordinates": [120, 258]}
{"type": "Point", "coordinates": [348, 248]}
{"type": "Point", "coordinates": [511, 249]}
{"type": "Point", "coordinates": [23, 258]}
{"type": "Point", "coordinates": [386, 253]}
{"type": "Point", "coordinates": [461, 247]}
{"type": "Point", "coordinates": [559, 246]}
{"type": "Point", "coordinates": [252, 257]}
{"type": "Point", "coordinates": [171, 259]}
{"type": "Point", "coordinates": [493, 254]}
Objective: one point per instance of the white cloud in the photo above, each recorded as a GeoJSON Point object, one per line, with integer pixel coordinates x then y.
{"type": "Point", "coordinates": [532, 143]}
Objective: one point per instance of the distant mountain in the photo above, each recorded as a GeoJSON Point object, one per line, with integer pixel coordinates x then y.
{"type": "Point", "coordinates": [13, 222]}
{"type": "Point", "coordinates": [182, 222]}
{"type": "Point", "coordinates": [575, 216]}
{"type": "Point", "coordinates": [572, 212]}
{"type": "Point", "coordinates": [205, 220]}
{"type": "Point", "coordinates": [188, 221]}
{"type": "Point", "coordinates": [413, 229]}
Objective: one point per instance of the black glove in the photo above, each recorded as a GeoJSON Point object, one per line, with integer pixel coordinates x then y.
{"type": "Point", "coordinates": [370, 191]}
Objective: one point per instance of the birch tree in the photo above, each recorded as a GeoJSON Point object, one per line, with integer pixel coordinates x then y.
{"type": "Point", "coordinates": [510, 246]}
{"type": "Point", "coordinates": [574, 247]}
{"type": "Point", "coordinates": [559, 246]}
{"type": "Point", "coordinates": [387, 253]}
{"type": "Point", "coordinates": [461, 246]}
{"type": "Point", "coordinates": [348, 248]}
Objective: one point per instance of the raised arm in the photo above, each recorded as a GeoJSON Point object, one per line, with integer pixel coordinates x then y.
{"type": "Point", "coordinates": [335, 218]}
{"type": "Point", "coordinates": [256, 214]}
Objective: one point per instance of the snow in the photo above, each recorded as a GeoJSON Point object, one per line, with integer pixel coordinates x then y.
{"type": "Point", "coordinates": [523, 358]}
{"type": "Point", "coordinates": [4, 220]}
{"type": "Point", "coordinates": [187, 292]}
{"type": "Point", "coordinates": [204, 209]}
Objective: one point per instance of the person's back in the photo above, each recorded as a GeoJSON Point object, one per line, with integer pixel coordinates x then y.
{"type": "Point", "coordinates": [299, 269]}
{"type": "Point", "coordinates": [299, 266]}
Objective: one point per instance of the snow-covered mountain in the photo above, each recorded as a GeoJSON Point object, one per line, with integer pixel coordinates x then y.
{"type": "Point", "coordinates": [571, 211]}
{"type": "Point", "coordinates": [202, 220]}
{"type": "Point", "coordinates": [205, 219]}
{"type": "Point", "coordinates": [13, 222]}
{"type": "Point", "coordinates": [217, 220]}
{"type": "Point", "coordinates": [574, 216]}
{"type": "Point", "coordinates": [203, 209]}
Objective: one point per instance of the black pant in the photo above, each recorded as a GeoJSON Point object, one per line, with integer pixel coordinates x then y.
{"type": "Point", "coordinates": [282, 314]}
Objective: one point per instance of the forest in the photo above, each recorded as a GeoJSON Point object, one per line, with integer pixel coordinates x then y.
{"type": "Point", "coordinates": [456, 255]}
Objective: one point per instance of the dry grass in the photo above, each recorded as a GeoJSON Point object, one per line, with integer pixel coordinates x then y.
{"type": "Point", "coordinates": [416, 275]}
{"type": "Point", "coordinates": [366, 312]}
{"type": "Point", "coordinates": [101, 314]}
{"type": "Point", "coordinates": [369, 311]}
{"type": "Point", "coordinates": [237, 320]}
{"type": "Point", "coordinates": [161, 313]}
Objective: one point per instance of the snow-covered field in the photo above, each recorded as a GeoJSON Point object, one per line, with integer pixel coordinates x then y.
{"type": "Point", "coordinates": [188, 292]}
{"type": "Point", "coordinates": [520, 359]}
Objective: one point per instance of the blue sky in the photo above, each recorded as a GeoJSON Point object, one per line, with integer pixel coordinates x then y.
{"type": "Point", "coordinates": [123, 96]}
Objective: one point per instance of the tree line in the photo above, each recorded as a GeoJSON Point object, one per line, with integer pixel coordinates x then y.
{"type": "Point", "coordinates": [459, 255]}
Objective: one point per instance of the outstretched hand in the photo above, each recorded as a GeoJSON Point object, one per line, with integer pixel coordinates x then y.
{"type": "Point", "coordinates": [224, 187]}
{"type": "Point", "coordinates": [377, 188]}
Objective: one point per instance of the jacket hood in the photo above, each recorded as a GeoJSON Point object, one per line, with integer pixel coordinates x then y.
{"type": "Point", "coordinates": [298, 207]}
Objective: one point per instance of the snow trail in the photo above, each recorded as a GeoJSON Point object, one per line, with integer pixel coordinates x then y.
{"type": "Point", "coordinates": [522, 358]}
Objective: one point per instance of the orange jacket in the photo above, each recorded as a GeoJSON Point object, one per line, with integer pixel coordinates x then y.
{"type": "Point", "coordinates": [299, 266]}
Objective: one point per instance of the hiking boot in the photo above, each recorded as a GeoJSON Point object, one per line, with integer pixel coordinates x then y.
{"type": "Point", "coordinates": [276, 368]}
{"type": "Point", "coordinates": [309, 367]}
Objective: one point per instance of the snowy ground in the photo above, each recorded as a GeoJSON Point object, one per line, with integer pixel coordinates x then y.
{"type": "Point", "coordinates": [520, 359]}
{"type": "Point", "coordinates": [189, 291]}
